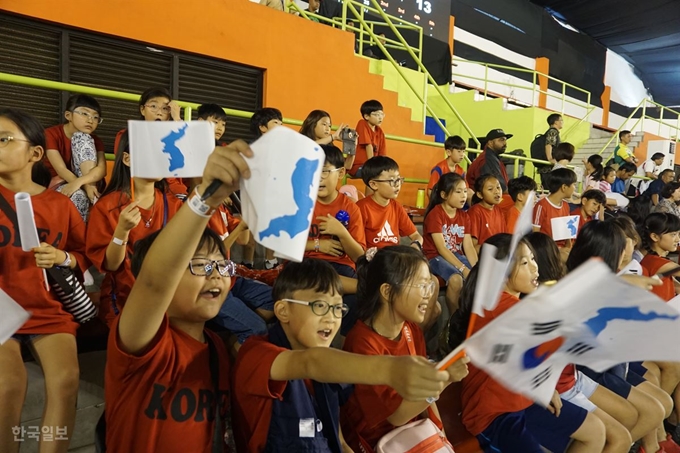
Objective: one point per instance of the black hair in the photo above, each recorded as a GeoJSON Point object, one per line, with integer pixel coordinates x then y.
{"type": "Point", "coordinates": [547, 257]}
{"type": "Point", "coordinates": [628, 226]}
{"type": "Point", "coordinates": [447, 183]}
{"type": "Point", "coordinates": [596, 161]}
{"type": "Point", "coordinates": [310, 274]}
{"type": "Point", "coordinates": [209, 239]}
{"type": "Point", "coordinates": [666, 171]}
{"type": "Point", "coordinates": [628, 167]}
{"type": "Point", "coordinates": [395, 265]}
{"type": "Point", "coordinates": [563, 151]}
{"type": "Point", "coordinates": [83, 100]}
{"type": "Point", "coordinates": [656, 156]}
{"type": "Point", "coordinates": [154, 92]}
{"type": "Point", "coordinates": [553, 118]}
{"type": "Point", "coordinates": [376, 165]}
{"type": "Point", "coordinates": [668, 189]}
{"type": "Point", "coordinates": [369, 107]}
{"type": "Point", "coordinates": [605, 240]}
{"type": "Point", "coordinates": [455, 142]}
{"type": "Point", "coordinates": [458, 324]}
{"type": "Point", "coordinates": [595, 194]}
{"type": "Point", "coordinates": [622, 133]}
{"type": "Point", "coordinates": [41, 175]}
{"type": "Point", "coordinates": [334, 156]}
{"type": "Point", "coordinates": [520, 185]}
{"type": "Point", "coordinates": [606, 172]}
{"type": "Point", "coordinates": [309, 123]}
{"type": "Point", "coordinates": [558, 178]}
{"type": "Point", "coordinates": [27, 124]}
{"type": "Point", "coordinates": [657, 223]}
{"type": "Point", "coordinates": [121, 177]}
{"type": "Point", "coordinates": [479, 186]}
{"type": "Point", "coordinates": [262, 117]}
{"type": "Point", "coordinates": [206, 111]}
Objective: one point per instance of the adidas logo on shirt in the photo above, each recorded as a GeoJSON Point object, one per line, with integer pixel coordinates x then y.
{"type": "Point", "coordinates": [386, 235]}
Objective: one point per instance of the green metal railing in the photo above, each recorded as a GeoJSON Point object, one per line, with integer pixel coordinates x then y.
{"type": "Point", "coordinates": [641, 112]}
{"type": "Point", "coordinates": [535, 88]}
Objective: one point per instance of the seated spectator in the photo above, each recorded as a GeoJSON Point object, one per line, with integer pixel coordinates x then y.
{"type": "Point", "coordinates": [486, 218]}
{"type": "Point", "coordinates": [649, 169]}
{"type": "Point", "coordinates": [375, 51]}
{"type": "Point", "coordinates": [608, 178]}
{"type": "Point", "coordinates": [593, 172]}
{"type": "Point", "coordinates": [213, 113]}
{"type": "Point", "coordinates": [519, 190]}
{"type": "Point", "coordinates": [489, 162]}
{"type": "Point", "coordinates": [317, 126]}
{"type": "Point", "coordinates": [275, 4]}
{"type": "Point", "coordinates": [561, 184]}
{"type": "Point", "coordinates": [314, 9]}
{"type": "Point", "coordinates": [592, 206]}
{"type": "Point", "coordinates": [563, 154]}
{"type": "Point", "coordinates": [454, 147]}
{"type": "Point", "coordinates": [670, 197]}
{"type": "Point", "coordinates": [623, 178]}
{"type": "Point", "coordinates": [654, 189]}
{"type": "Point", "coordinates": [371, 137]}
{"type": "Point", "coordinates": [74, 156]}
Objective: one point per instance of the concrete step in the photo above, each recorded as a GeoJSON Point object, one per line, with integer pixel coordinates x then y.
{"type": "Point", "coordinates": [90, 402]}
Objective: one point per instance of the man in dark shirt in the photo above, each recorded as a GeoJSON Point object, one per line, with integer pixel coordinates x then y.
{"type": "Point", "coordinates": [655, 187]}
{"type": "Point", "coordinates": [489, 161]}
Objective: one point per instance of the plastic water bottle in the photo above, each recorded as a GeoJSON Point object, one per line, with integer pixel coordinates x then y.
{"type": "Point", "coordinates": [420, 199]}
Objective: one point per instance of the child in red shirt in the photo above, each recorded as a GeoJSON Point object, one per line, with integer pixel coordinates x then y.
{"type": "Point", "coordinates": [50, 331]}
{"type": "Point", "coordinates": [561, 184]}
{"type": "Point", "coordinates": [592, 206]}
{"type": "Point", "coordinates": [116, 223]}
{"type": "Point", "coordinates": [282, 397]}
{"type": "Point", "coordinates": [660, 235]}
{"type": "Point", "coordinates": [454, 147]}
{"type": "Point", "coordinates": [371, 137]}
{"type": "Point", "coordinates": [519, 190]}
{"type": "Point", "coordinates": [506, 421]}
{"type": "Point", "coordinates": [486, 218]}
{"type": "Point", "coordinates": [447, 242]}
{"type": "Point", "coordinates": [388, 325]}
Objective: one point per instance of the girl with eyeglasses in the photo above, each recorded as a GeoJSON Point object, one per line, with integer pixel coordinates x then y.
{"type": "Point", "coordinates": [393, 292]}
{"type": "Point", "coordinates": [75, 156]}
{"type": "Point", "coordinates": [50, 331]}
{"type": "Point", "coordinates": [116, 223]}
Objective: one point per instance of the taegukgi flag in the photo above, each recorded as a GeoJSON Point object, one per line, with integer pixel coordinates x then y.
{"type": "Point", "coordinates": [590, 317]}
{"type": "Point", "coordinates": [170, 149]}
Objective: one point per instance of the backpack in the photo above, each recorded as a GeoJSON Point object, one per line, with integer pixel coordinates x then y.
{"type": "Point", "coordinates": [538, 150]}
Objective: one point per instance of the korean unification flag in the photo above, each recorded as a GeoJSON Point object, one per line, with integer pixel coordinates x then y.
{"type": "Point", "coordinates": [590, 317]}
{"type": "Point", "coordinates": [564, 227]}
{"type": "Point", "coordinates": [170, 149]}
{"type": "Point", "coordinates": [279, 197]}
{"type": "Point", "coordinates": [494, 271]}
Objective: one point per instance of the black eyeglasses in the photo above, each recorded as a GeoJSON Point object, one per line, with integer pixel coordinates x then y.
{"type": "Point", "coordinates": [204, 267]}
{"type": "Point", "coordinates": [392, 182]}
{"type": "Point", "coordinates": [321, 307]}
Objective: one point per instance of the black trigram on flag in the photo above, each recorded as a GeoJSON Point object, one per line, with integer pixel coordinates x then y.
{"type": "Point", "coordinates": [541, 377]}
{"type": "Point", "coordinates": [500, 353]}
{"type": "Point", "coordinates": [544, 328]}
{"type": "Point", "coordinates": [580, 348]}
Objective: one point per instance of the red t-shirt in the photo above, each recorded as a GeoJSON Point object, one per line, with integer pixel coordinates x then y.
{"type": "Point", "coordinates": [368, 136]}
{"type": "Point", "coordinates": [441, 169]}
{"type": "Point", "coordinates": [483, 398]}
{"type": "Point", "coordinates": [222, 222]}
{"type": "Point", "coordinates": [567, 379]}
{"type": "Point", "coordinates": [485, 223]}
{"type": "Point", "coordinates": [55, 138]}
{"type": "Point", "coordinates": [163, 400]}
{"type": "Point", "coordinates": [365, 413]}
{"type": "Point", "coordinates": [511, 218]}
{"type": "Point", "coordinates": [356, 227]}
{"type": "Point", "coordinates": [59, 224]}
{"type": "Point", "coordinates": [254, 393]}
{"type": "Point", "coordinates": [582, 220]}
{"type": "Point", "coordinates": [102, 224]}
{"type": "Point", "coordinates": [384, 225]}
{"type": "Point", "coordinates": [452, 228]}
{"type": "Point", "coordinates": [544, 211]}
{"type": "Point", "coordinates": [652, 263]}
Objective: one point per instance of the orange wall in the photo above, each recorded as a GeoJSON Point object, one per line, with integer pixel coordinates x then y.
{"type": "Point", "coordinates": [308, 65]}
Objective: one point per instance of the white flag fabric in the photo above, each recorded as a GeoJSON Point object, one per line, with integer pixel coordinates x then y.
{"type": "Point", "coordinates": [170, 149]}
{"type": "Point", "coordinates": [13, 317]}
{"type": "Point", "coordinates": [590, 317]}
{"type": "Point", "coordinates": [278, 199]}
{"type": "Point", "coordinates": [489, 285]}
{"type": "Point", "coordinates": [564, 227]}
{"type": "Point", "coordinates": [27, 228]}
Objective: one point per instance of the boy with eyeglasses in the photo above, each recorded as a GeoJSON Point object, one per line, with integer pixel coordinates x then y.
{"type": "Point", "coordinates": [284, 395]}
{"type": "Point", "coordinates": [371, 137]}
{"type": "Point", "coordinates": [74, 155]}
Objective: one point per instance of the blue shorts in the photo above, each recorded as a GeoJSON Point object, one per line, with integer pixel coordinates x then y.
{"type": "Point", "coordinates": [526, 431]}
{"type": "Point", "coordinates": [25, 339]}
{"type": "Point", "coordinates": [237, 313]}
{"type": "Point", "coordinates": [442, 268]}
{"type": "Point", "coordinates": [610, 380]}
{"type": "Point", "coordinates": [636, 372]}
